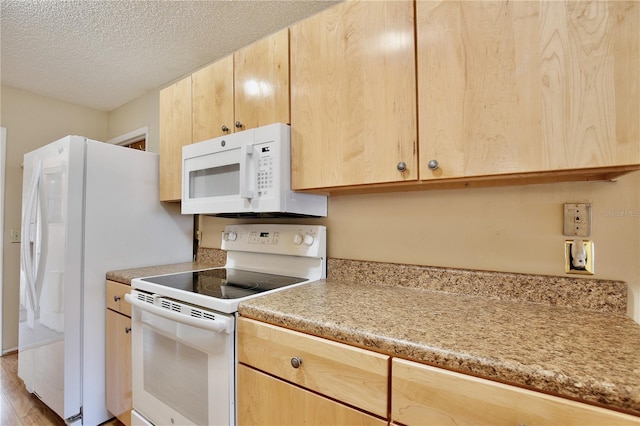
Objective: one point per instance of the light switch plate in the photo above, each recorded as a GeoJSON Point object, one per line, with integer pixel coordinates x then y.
{"type": "Point", "coordinates": [577, 219]}
{"type": "Point", "coordinates": [14, 236]}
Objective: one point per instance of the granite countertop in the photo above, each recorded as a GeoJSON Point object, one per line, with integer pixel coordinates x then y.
{"type": "Point", "coordinates": [586, 355]}
{"type": "Point", "coordinates": [206, 258]}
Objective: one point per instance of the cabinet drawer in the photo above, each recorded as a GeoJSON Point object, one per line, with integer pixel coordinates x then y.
{"type": "Point", "coordinates": [115, 297]}
{"type": "Point", "coordinates": [425, 395]}
{"type": "Point", "coordinates": [273, 402]}
{"type": "Point", "coordinates": [352, 375]}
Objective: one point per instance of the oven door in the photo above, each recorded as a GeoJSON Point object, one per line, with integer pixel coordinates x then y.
{"type": "Point", "coordinates": [183, 362]}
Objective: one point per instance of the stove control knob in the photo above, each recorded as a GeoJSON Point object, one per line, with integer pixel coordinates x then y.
{"type": "Point", "coordinates": [308, 239]}
{"type": "Point", "coordinates": [229, 236]}
{"type": "Point", "coordinates": [297, 239]}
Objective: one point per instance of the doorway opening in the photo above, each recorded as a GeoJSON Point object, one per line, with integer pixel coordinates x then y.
{"type": "Point", "coordinates": [136, 139]}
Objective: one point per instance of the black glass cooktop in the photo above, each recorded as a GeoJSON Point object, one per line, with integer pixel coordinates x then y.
{"type": "Point", "coordinates": [224, 283]}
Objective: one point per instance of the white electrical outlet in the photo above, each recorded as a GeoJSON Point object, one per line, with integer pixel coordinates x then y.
{"type": "Point", "coordinates": [577, 219]}
{"type": "Point", "coordinates": [578, 255]}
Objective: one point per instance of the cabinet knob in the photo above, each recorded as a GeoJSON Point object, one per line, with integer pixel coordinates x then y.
{"type": "Point", "coordinates": [238, 125]}
{"type": "Point", "coordinates": [296, 362]}
{"type": "Point", "coordinates": [402, 166]}
{"type": "Point", "coordinates": [433, 164]}
{"type": "Point", "coordinates": [225, 128]}
{"type": "Point", "coordinates": [116, 298]}
{"type": "Point", "coordinates": [127, 330]}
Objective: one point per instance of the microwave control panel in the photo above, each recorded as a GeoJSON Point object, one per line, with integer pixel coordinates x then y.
{"type": "Point", "coordinates": [265, 172]}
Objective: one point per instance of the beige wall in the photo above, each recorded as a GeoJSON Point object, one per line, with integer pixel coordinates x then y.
{"type": "Point", "coordinates": [31, 121]}
{"type": "Point", "coordinates": [511, 229]}
{"type": "Point", "coordinates": [134, 115]}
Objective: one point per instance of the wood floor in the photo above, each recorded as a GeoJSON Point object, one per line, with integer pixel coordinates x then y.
{"type": "Point", "coordinates": [17, 406]}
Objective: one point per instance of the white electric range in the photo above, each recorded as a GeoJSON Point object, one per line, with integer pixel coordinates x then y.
{"type": "Point", "coordinates": [183, 325]}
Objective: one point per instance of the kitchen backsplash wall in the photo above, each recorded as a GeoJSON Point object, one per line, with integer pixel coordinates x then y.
{"type": "Point", "coordinates": [594, 295]}
{"type": "Point", "coordinates": [510, 229]}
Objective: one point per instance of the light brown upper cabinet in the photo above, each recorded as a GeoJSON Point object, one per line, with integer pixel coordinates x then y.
{"type": "Point", "coordinates": [242, 91]}
{"type": "Point", "coordinates": [261, 80]}
{"type": "Point", "coordinates": [212, 100]}
{"type": "Point", "coordinates": [175, 132]}
{"type": "Point", "coordinates": [353, 96]}
{"type": "Point", "coordinates": [245, 90]}
{"type": "Point", "coordinates": [518, 87]}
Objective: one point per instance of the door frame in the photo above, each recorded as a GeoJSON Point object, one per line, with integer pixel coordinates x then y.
{"type": "Point", "coordinates": [131, 137]}
{"type": "Point", "coordinates": [3, 152]}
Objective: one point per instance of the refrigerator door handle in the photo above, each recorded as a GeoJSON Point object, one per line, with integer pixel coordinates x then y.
{"type": "Point", "coordinates": [42, 236]}
{"type": "Point", "coordinates": [28, 257]}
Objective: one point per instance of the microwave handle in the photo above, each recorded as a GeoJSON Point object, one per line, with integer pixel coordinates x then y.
{"type": "Point", "coordinates": [246, 181]}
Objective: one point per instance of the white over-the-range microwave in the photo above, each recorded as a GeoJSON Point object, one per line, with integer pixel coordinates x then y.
{"type": "Point", "coordinates": [245, 174]}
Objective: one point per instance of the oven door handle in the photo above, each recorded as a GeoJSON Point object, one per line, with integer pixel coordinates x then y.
{"type": "Point", "coordinates": [220, 324]}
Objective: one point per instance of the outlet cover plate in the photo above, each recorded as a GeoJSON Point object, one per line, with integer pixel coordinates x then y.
{"type": "Point", "coordinates": [577, 219]}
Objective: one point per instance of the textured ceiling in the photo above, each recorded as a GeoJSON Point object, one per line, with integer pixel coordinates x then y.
{"type": "Point", "coordinates": [104, 53]}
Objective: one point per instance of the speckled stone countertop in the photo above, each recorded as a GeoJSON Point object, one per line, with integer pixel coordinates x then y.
{"type": "Point", "coordinates": [590, 353]}
{"type": "Point", "coordinates": [206, 258]}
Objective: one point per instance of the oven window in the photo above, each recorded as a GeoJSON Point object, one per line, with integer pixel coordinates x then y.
{"type": "Point", "coordinates": [177, 375]}
{"type": "Point", "coordinates": [215, 181]}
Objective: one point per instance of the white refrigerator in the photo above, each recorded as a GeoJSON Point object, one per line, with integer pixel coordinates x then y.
{"type": "Point", "coordinates": [87, 207]}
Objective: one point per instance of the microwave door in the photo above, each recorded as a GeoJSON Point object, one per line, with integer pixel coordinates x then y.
{"type": "Point", "coordinates": [216, 182]}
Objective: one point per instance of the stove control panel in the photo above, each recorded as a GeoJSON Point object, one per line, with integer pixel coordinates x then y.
{"type": "Point", "coordinates": [296, 240]}
{"type": "Point", "coordinates": [264, 237]}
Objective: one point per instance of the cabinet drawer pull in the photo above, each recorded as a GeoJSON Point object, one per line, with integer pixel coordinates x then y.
{"type": "Point", "coordinates": [238, 125]}
{"type": "Point", "coordinates": [402, 166]}
{"type": "Point", "coordinates": [127, 330]}
{"type": "Point", "coordinates": [433, 165]}
{"type": "Point", "coordinates": [296, 361]}
{"type": "Point", "coordinates": [225, 128]}
{"type": "Point", "coordinates": [116, 298]}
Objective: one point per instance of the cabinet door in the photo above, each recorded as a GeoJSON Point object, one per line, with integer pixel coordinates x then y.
{"type": "Point", "coordinates": [118, 367]}
{"type": "Point", "coordinates": [508, 87]}
{"type": "Point", "coordinates": [212, 100]}
{"type": "Point", "coordinates": [264, 400]}
{"type": "Point", "coordinates": [261, 73]}
{"type": "Point", "coordinates": [175, 132]}
{"type": "Point", "coordinates": [353, 96]}
{"type": "Point", "coordinates": [425, 395]}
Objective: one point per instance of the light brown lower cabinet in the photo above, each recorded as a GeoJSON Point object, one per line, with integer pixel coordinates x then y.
{"type": "Point", "coordinates": [265, 400]}
{"type": "Point", "coordinates": [308, 380]}
{"type": "Point", "coordinates": [118, 356]}
{"type": "Point", "coordinates": [425, 395]}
